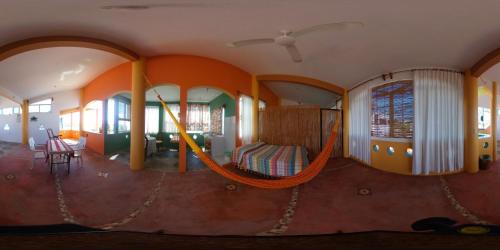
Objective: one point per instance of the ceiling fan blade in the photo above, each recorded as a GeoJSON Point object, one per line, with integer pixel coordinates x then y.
{"type": "Point", "coordinates": [327, 26]}
{"type": "Point", "coordinates": [250, 42]}
{"type": "Point", "coordinates": [294, 53]}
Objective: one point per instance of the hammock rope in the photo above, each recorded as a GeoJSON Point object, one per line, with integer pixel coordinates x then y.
{"type": "Point", "coordinates": [285, 182]}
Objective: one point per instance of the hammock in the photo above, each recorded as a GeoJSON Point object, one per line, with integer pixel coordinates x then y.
{"type": "Point", "coordinates": [286, 182]}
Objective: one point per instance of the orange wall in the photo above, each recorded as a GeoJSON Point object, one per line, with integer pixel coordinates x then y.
{"type": "Point", "coordinates": [396, 163]}
{"type": "Point", "coordinates": [183, 70]}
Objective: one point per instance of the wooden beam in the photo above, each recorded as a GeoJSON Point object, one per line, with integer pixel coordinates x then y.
{"type": "Point", "coordinates": [303, 80]}
{"type": "Point", "coordinates": [29, 44]}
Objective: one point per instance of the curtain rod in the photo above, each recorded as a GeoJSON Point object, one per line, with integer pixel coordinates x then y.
{"type": "Point", "coordinates": [401, 71]}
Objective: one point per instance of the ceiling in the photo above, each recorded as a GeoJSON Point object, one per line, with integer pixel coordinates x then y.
{"type": "Point", "coordinates": [171, 93]}
{"type": "Point", "coordinates": [303, 94]}
{"type": "Point", "coordinates": [397, 34]}
{"type": "Point", "coordinates": [44, 71]}
{"type": "Point", "coordinates": [6, 103]}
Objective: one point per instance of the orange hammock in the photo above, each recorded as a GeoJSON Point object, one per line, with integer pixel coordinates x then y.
{"type": "Point", "coordinates": [302, 177]}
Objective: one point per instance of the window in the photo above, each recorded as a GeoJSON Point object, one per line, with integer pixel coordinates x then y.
{"type": "Point", "coordinates": [169, 125]}
{"type": "Point", "coordinates": [65, 122]}
{"type": "Point", "coordinates": [152, 119]}
{"type": "Point", "coordinates": [245, 119]}
{"type": "Point", "coordinates": [70, 121]}
{"type": "Point", "coordinates": [198, 118]}
{"type": "Point", "coordinates": [123, 117]}
{"type": "Point", "coordinates": [43, 106]}
{"type": "Point", "coordinates": [484, 117]}
{"type": "Point", "coordinates": [217, 120]}
{"type": "Point", "coordinates": [92, 117]}
{"type": "Point", "coordinates": [7, 111]}
{"type": "Point", "coordinates": [392, 110]}
{"type": "Point", "coordinates": [110, 117]}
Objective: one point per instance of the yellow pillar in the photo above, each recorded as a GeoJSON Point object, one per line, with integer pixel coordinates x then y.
{"type": "Point", "coordinates": [345, 125]}
{"type": "Point", "coordinates": [137, 116]}
{"type": "Point", "coordinates": [471, 145]}
{"type": "Point", "coordinates": [494, 115]}
{"type": "Point", "coordinates": [255, 110]}
{"type": "Point", "coordinates": [182, 121]}
{"type": "Point", "coordinates": [24, 121]}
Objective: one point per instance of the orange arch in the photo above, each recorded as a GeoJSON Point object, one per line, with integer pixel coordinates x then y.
{"type": "Point", "coordinates": [29, 44]}
{"type": "Point", "coordinates": [486, 63]}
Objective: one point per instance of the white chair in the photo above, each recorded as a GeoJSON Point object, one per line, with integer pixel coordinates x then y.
{"type": "Point", "coordinates": [39, 153]}
{"type": "Point", "coordinates": [79, 148]}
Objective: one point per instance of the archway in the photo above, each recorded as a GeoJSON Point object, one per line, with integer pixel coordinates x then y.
{"type": "Point", "coordinates": [211, 122]}
{"type": "Point", "coordinates": [34, 43]}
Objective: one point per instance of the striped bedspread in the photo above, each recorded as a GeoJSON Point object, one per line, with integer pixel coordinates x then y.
{"type": "Point", "coordinates": [272, 160]}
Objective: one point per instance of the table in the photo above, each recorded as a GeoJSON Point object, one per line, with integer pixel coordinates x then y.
{"type": "Point", "coordinates": [57, 146]}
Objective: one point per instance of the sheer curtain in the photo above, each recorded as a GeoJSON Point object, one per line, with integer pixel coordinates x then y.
{"type": "Point", "coordinates": [359, 123]}
{"type": "Point", "coordinates": [245, 119]}
{"type": "Point", "coordinates": [169, 125]}
{"type": "Point", "coordinates": [152, 119]}
{"type": "Point", "coordinates": [439, 131]}
{"type": "Point", "coordinates": [198, 117]}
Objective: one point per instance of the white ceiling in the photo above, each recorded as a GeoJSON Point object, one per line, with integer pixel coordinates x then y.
{"type": "Point", "coordinates": [6, 103]}
{"type": "Point", "coordinates": [397, 34]}
{"type": "Point", "coordinates": [44, 71]}
{"type": "Point", "coordinates": [303, 94]}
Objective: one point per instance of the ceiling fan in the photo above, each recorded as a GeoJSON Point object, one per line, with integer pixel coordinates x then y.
{"type": "Point", "coordinates": [288, 37]}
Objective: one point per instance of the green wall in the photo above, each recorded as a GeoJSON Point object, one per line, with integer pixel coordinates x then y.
{"type": "Point", "coordinates": [221, 100]}
{"type": "Point", "coordinates": [121, 141]}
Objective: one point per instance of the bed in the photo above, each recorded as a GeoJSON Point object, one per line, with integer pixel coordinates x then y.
{"type": "Point", "coordinates": [271, 160]}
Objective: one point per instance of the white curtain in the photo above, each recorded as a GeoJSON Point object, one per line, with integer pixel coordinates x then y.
{"type": "Point", "coordinates": [246, 119]}
{"type": "Point", "coordinates": [439, 131]}
{"type": "Point", "coordinates": [169, 125]}
{"type": "Point", "coordinates": [359, 123]}
{"type": "Point", "coordinates": [152, 119]}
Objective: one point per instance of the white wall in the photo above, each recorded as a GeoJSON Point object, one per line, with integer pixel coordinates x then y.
{"type": "Point", "coordinates": [61, 101]}
{"type": "Point", "coordinates": [229, 133]}
{"type": "Point", "coordinates": [14, 123]}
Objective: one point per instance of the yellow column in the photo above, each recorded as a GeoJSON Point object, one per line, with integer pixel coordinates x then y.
{"type": "Point", "coordinates": [182, 121]}
{"type": "Point", "coordinates": [494, 115]}
{"type": "Point", "coordinates": [24, 121]}
{"type": "Point", "coordinates": [255, 110]}
{"type": "Point", "coordinates": [471, 145]}
{"type": "Point", "coordinates": [137, 116]}
{"type": "Point", "coordinates": [345, 120]}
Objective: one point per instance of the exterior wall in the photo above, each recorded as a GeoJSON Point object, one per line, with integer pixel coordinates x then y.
{"type": "Point", "coordinates": [61, 101]}
{"type": "Point", "coordinates": [396, 163]}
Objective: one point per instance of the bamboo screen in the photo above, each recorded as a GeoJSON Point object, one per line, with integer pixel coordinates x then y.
{"type": "Point", "coordinates": [392, 110]}
{"type": "Point", "coordinates": [291, 125]}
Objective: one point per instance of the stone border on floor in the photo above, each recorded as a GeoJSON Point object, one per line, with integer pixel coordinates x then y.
{"type": "Point", "coordinates": [285, 220]}
{"type": "Point", "coordinates": [68, 217]}
{"type": "Point", "coordinates": [459, 207]}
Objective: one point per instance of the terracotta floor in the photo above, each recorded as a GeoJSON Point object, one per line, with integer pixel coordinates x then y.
{"type": "Point", "coordinates": [103, 191]}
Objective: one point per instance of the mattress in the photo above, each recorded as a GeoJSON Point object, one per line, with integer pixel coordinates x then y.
{"type": "Point", "coordinates": [272, 160]}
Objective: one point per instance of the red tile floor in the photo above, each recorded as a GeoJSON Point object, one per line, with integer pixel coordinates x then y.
{"type": "Point", "coordinates": [104, 193]}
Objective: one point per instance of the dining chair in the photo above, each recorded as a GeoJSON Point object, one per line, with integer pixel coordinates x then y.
{"type": "Point", "coordinates": [38, 151]}
{"type": "Point", "coordinates": [79, 148]}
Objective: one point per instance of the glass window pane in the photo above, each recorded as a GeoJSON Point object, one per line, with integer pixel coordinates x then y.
{"type": "Point", "coordinates": [110, 119]}
{"type": "Point", "coordinates": [33, 109]}
{"type": "Point", "coordinates": [75, 121]}
{"type": "Point", "coordinates": [45, 108]}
